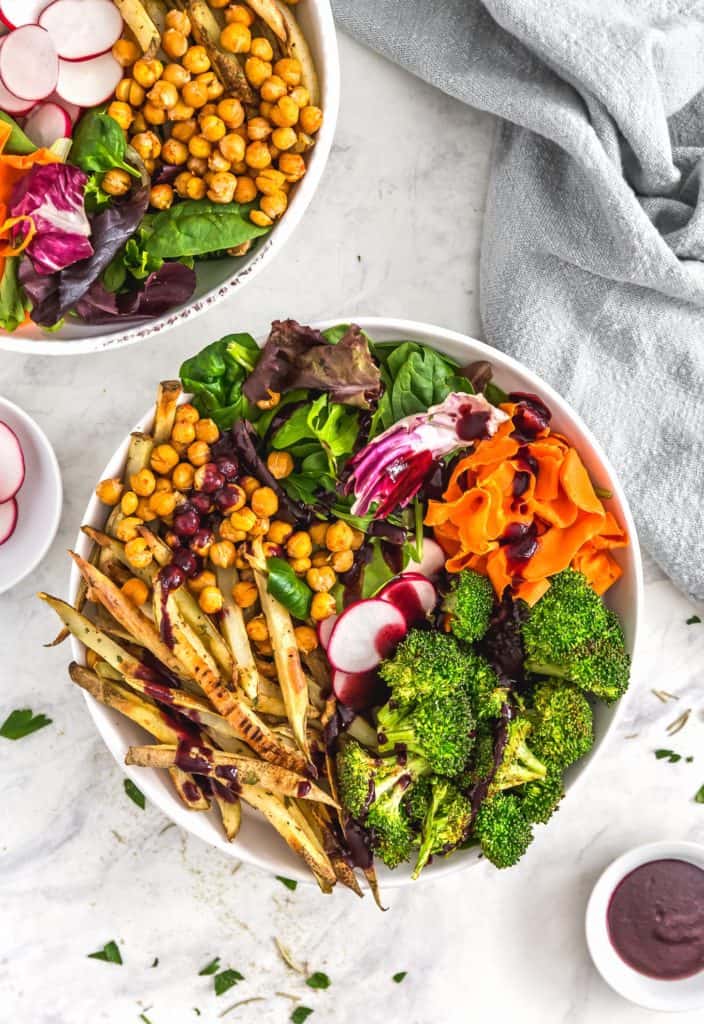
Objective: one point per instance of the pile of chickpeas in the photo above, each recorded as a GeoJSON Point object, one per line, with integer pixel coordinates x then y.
{"type": "Point", "coordinates": [183, 467]}
{"type": "Point", "coordinates": [179, 115]}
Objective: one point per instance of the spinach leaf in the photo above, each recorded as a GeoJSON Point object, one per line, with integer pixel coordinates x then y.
{"type": "Point", "coordinates": [336, 427]}
{"type": "Point", "coordinates": [196, 227]}
{"type": "Point", "coordinates": [494, 394]}
{"type": "Point", "coordinates": [12, 304]}
{"type": "Point", "coordinates": [265, 420]}
{"type": "Point", "coordinates": [99, 144]}
{"type": "Point", "coordinates": [215, 377]}
{"type": "Point", "coordinates": [283, 584]}
{"type": "Point", "coordinates": [17, 143]}
{"type": "Point", "coordinates": [295, 429]}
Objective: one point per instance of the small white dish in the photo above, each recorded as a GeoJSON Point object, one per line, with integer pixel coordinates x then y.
{"type": "Point", "coordinates": [673, 996]}
{"type": "Point", "coordinates": [258, 843]}
{"type": "Point", "coordinates": [39, 499]}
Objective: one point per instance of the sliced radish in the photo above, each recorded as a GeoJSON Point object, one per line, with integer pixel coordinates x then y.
{"type": "Point", "coordinates": [414, 596]}
{"type": "Point", "coordinates": [432, 561]}
{"type": "Point", "coordinates": [29, 66]}
{"type": "Point", "coordinates": [88, 82]}
{"type": "Point", "coordinates": [8, 519]}
{"type": "Point", "coordinates": [11, 463]}
{"type": "Point", "coordinates": [358, 690]}
{"type": "Point", "coordinates": [325, 630]}
{"type": "Point", "coordinates": [47, 123]}
{"type": "Point", "coordinates": [8, 102]}
{"type": "Point", "coordinates": [81, 29]}
{"type": "Point", "coordinates": [365, 634]}
{"type": "Point", "coordinates": [21, 12]}
{"type": "Point", "coordinates": [72, 109]}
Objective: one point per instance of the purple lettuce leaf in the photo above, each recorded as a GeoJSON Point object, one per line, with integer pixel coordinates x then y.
{"type": "Point", "coordinates": [300, 357]}
{"type": "Point", "coordinates": [171, 285]}
{"type": "Point", "coordinates": [53, 196]}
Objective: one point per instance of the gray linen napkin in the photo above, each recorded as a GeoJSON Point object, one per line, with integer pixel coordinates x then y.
{"type": "Point", "coordinates": [591, 269]}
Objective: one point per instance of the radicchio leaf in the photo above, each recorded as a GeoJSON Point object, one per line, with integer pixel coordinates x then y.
{"type": "Point", "coordinates": [53, 196]}
{"type": "Point", "coordinates": [300, 357]}
{"type": "Point", "coordinates": [165, 288]}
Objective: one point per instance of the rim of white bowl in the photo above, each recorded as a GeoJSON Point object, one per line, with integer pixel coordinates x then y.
{"type": "Point", "coordinates": [269, 247]}
{"type": "Point", "coordinates": [36, 431]}
{"type": "Point", "coordinates": [671, 996]}
{"type": "Point", "coordinates": [401, 329]}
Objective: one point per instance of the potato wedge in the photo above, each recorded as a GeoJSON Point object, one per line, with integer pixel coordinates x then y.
{"type": "Point", "coordinates": [226, 66]}
{"type": "Point", "coordinates": [232, 625]}
{"type": "Point", "coordinates": [167, 397]}
{"type": "Point", "coordinates": [297, 45]}
{"type": "Point", "coordinates": [268, 11]}
{"type": "Point", "coordinates": [138, 20]}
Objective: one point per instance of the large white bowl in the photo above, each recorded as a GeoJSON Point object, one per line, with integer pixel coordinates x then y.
{"type": "Point", "coordinates": [217, 279]}
{"type": "Point", "coordinates": [258, 843]}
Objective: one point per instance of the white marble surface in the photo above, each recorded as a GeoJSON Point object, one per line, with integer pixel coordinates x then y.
{"type": "Point", "coordinates": [395, 230]}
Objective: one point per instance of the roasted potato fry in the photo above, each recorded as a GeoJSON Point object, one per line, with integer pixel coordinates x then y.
{"type": "Point", "coordinates": [206, 31]}
{"type": "Point", "coordinates": [167, 397]}
{"type": "Point", "coordinates": [143, 28]}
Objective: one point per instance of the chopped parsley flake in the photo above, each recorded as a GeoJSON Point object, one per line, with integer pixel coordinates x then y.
{"type": "Point", "coordinates": [136, 795]}
{"type": "Point", "coordinates": [211, 968]}
{"type": "Point", "coordinates": [318, 980]}
{"type": "Point", "coordinates": [109, 953]}
{"type": "Point", "coordinates": [399, 976]}
{"type": "Point", "coordinates": [224, 981]}
{"type": "Point", "coordinates": [300, 1014]}
{"type": "Point", "coordinates": [21, 723]}
{"type": "Point", "coordinates": [290, 883]}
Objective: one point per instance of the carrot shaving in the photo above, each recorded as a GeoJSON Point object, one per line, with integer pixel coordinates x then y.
{"type": "Point", "coordinates": [551, 514]}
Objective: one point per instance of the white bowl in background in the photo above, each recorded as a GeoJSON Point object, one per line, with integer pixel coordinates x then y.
{"type": "Point", "coordinates": [675, 995]}
{"type": "Point", "coordinates": [257, 842]}
{"type": "Point", "coordinates": [217, 279]}
{"type": "Point", "coordinates": [39, 499]}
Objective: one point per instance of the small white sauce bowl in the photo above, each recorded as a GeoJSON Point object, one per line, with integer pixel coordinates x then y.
{"type": "Point", "coordinates": [39, 499]}
{"type": "Point", "coordinates": [674, 996]}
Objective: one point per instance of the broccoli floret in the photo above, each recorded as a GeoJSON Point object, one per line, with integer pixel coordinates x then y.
{"type": "Point", "coordinates": [502, 829]}
{"type": "Point", "coordinates": [417, 801]}
{"type": "Point", "coordinates": [481, 763]}
{"type": "Point", "coordinates": [372, 790]}
{"type": "Point", "coordinates": [563, 728]}
{"type": "Point", "coordinates": [425, 663]}
{"type": "Point", "coordinates": [539, 799]}
{"type": "Point", "coordinates": [518, 763]}
{"type": "Point", "coordinates": [482, 682]}
{"type": "Point", "coordinates": [447, 818]}
{"type": "Point", "coordinates": [437, 728]}
{"type": "Point", "coordinates": [468, 605]}
{"type": "Point", "coordinates": [571, 634]}
{"type": "Point", "coordinates": [569, 614]}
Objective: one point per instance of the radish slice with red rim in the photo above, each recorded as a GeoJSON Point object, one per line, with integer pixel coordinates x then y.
{"type": "Point", "coordinates": [432, 560]}
{"type": "Point", "coordinates": [365, 634]}
{"type": "Point", "coordinates": [82, 29]}
{"type": "Point", "coordinates": [11, 463]}
{"type": "Point", "coordinates": [29, 66]}
{"type": "Point", "coordinates": [88, 82]}
{"type": "Point", "coordinates": [16, 13]}
{"type": "Point", "coordinates": [414, 596]}
{"type": "Point", "coordinates": [358, 690]}
{"type": "Point", "coordinates": [8, 102]}
{"type": "Point", "coordinates": [72, 109]}
{"type": "Point", "coordinates": [8, 519]}
{"type": "Point", "coordinates": [47, 123]}
{"type": "Point", "coordinates": [325, 628]}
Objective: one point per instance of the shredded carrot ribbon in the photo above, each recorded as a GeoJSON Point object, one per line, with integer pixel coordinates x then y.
{"type": "Point", "coordinates": [483, 503]}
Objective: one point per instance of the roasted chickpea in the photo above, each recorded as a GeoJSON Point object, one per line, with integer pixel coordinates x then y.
{"type": "Point", "coordinates": [300, 96]}
{"type": "Point", "coordinates": [182, 476]}
{"type": "Point", "coordinates": [143, 483]}
{"type": "Point", "coordinates": [270, 181]}
{"type": "Point", "coordinates": [189, 186]}
{"type": "Point", "coordinates": [143, 510]}
{"type": "Point", "coordinates": [299, 545]}
{"type": "Point", "coordinates": [163, 484]}
{"type": "Point", "coordinates": [321, 580]}
{"type": "Point", "coordinates": [306, 639]}
{"type": "Point", "coordinates": [243, 519]}
{"type": "Point", "coordinates": [180, 21]}
{"type": "Point", "coordinates": [259, 218]}
{"type": "Point", "coordinates": [261, 527]}
{"type": "Point", "coordinates": [212, 128]}
{"type": "Point", "coordinates": [300, 565]}
{"type": "Point", "coordinates": [228, 532]}
{"type": "Point", "coordinates": [274, 205]}
{"type": "Point", "coordinates": [136, 591]}
{"type": "Point", "coordinates": [194, 94]}
{"type": "Point", "coordinates": [286, 113]}
{"type": "Point", "coordinates": [338, 537]}
{"type": "Point", "coordinates": [218, 3]}
{"type": "Point", "coordinates": [182, 431]}
{"type": "Point", "coordinates": [322, 607]}
{"type": "Point", "coordinates": [279, 531]}
{"type": "Point", "coordinates": [222, 554]}
{"type": "Point", "coordinates": [198, 165]}
{"type": "Point", "coordinates": [272, 89]}
{"type": "Point", "coordinates": [264, 502]}
{"type": "Point", "coordinates": [245, 594]}
{"type": "Point", "coordinates": [184, 130]}
{"type": "Point", "coordinates": [122, 113]}
{"type": "Point", "coordinates": [207, 430]}
{"type": "Point", "coordinates": [202, 580]}
{"type": "Point", "coordinates": [257, 71]}
{"type": "Point", "coordinates": [154, 115]}
{"type": "Point", "coordinates": [283, 138]}
{"type": "Point", "coordinates": [311, 119]}
{"type": "Point", "coordinates": [292, 165]}
{"type": "Point", "coordinates": [280, 465]}
{"type": "Point", "coordinates": [162, 503]}
{"type": "Point", "coordinates": [236, 38]}
{"type": "Point", "coordinates": [317, 532]}
{"type": "Point", "coordinates": [128, 503]}
{"type": "Point", "coordinates": [257, 629]}
{"type": "Point", "coordinates": [196, 60]}
{"type": "Point", "coordinates": [210, 600]}
{"type": "Point", "coordinates": [147, 144]}
{"type": "Point", "coordinates": [163, 95]}
{"type": "Point", "coordinates": [289, 69]}
{"type": "Point", "coordinates": [257, 156]}
{"type": "Point", "coordinates": [122, 92]}
{"type": "Point", "coordinates": [163, 459]}
{"type": "Point", "coordinates": [147, 72]}
{"type": "Point", "coordinates": [174, 152]}
{"type": "Point", "coordinates": [320, 558]}
{"type": "Point", "coordinates": [246, 190]}
{"type": "Point", "coordinates": [357, 539]}
{"type": "Point", "coordinates": [176, 74]}
{"type": "Point", "coordinates": [126, 52]}
{"type": "Point", "coordinates": [232, 147]}
{"type": "Point", "coordinates": [161, 197]}
{"type": "Point", "coordinates": [221, 187]}
{"type": "Point", "coordinates": [187, 413]}
{"type": "Point", "coordinates": [198, 453]}
{"type": "Point", "coordinates": [109, 491]}
{"type": "Point", "coordinates": [138, 123]}
{"type": "Point", "coordinates": [209, 110]}
{"type": "Point", "coordinates": [213, 85]}
{"type": "Point", "coordinates": [258, 129]}
{"type": "Point", "coordinates": [342, 561]}
{"type": "Point", "coordinates": [128, 528]}
{"type": "Point", "coordinates": [199, 146]}
{"type": "Point", "coordinates": [174, 43]}
{"type": "Point", "coordinates": [238, 12]}
{"type": "Point", "coordinates": [116, 182]}
{"type": "Point", "coordinates": [261, 48]}
{"type": "Point", "coordinates": [249, 485]}
{"type": "Point", "coordinates": [232, 113]}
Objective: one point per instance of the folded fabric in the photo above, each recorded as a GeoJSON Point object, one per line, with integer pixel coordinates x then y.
{"type": "Point", "coordinates": [592, 267]}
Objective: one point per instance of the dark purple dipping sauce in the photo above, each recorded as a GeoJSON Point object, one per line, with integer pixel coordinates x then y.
{"type": "Point", "coordinates": [655, 919]}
